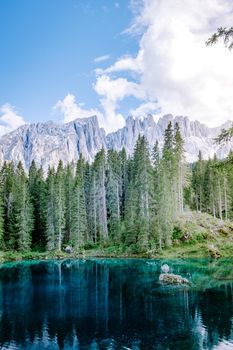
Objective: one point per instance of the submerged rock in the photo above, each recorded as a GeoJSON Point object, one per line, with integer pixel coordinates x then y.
{"type": "Point", "coordinates": [170, 278]}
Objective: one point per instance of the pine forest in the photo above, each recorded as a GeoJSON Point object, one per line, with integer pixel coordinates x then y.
{"type": "Point", "coordinates": [128, 201]}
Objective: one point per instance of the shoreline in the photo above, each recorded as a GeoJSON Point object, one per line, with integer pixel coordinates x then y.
{"type": "Point", "coordinates": [7, 257]}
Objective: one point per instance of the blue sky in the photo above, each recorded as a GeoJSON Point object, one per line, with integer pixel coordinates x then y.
{"type": "Point", "coordinates": [48, 48]}
{"type": "Point", "coordinates": [64, 59]}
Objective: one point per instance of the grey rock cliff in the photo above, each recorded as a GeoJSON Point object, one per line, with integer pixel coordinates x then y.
{"type": "Point", "coordinates": [197, 136]}
{"type": "Point", "coordinates": [47, 143]}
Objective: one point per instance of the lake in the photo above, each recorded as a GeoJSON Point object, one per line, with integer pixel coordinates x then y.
{"type": "Point", "coordinates": [115, 304]}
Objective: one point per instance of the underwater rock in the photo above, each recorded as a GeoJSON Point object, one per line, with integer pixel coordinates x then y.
{"type": "Point", "coordinates": [170, 278]}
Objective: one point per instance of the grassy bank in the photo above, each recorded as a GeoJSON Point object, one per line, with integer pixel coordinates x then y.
{"type": "Point", "coordinates": [200, 235]}
{"type": "Point", "coordinates": [195, 235]}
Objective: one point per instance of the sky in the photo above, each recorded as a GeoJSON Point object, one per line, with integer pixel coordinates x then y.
{"type": "Point", "coordinates": [65, 59]}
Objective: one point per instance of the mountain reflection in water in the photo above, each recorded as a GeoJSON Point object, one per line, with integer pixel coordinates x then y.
{"type": "Point", "coordinates": [115, 304]}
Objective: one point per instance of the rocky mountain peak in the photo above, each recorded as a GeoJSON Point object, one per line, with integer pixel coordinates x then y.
{"type": "Point", "coordinates": [47, 143]}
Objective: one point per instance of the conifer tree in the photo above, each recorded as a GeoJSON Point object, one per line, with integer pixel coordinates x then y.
{"type": "Point", "coordinates": [179, 169]}
{"type": "Point", "coordinates": [141, 193]}
{"type": "Point", "coordinates": [113, 192]}
{"type": "Point", "coordinates": [37, 189]}
{"type": "Point", "coordinates": [166, 203]}
{"type": "Point", "coordinates": [69, 183]}
{"type": "Point", "coordinates": [1, 214]}
{"type": "Point", "coordinates": [197, 182]}
{"type": "Point", "coordinates": [90, 203]}
{"type": "Point", "coordinates": [99, 188]}
{"type": "Point", "coordinates": [7, 176]}
{"type": "Point", "coordinates": [60, 205]}
{"type": "Point", "coordinates": [124, 180]}
{"type": "Point", "coordinates": [156, 164]}
{"type": "Point", "coordinates": [23, 210]}
{"type": "Point", "coordinates": [51, 208]}
{"type": "Point", "coordinates": [79, 215]}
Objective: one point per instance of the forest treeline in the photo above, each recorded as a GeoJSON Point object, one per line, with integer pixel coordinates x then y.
{"type": "Point", "coordinates": [131, 201]}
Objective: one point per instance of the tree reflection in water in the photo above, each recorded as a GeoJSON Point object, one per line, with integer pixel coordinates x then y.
{"type": "Point", "coordinates": [115, 303]}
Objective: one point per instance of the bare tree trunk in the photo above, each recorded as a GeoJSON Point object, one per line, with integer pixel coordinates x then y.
{"type": "Point", "coordinates": [78, 228]}
{"type": "Point", "coordinates": [219, 199]}
{"type": "Point", "coordinates": [94, 209]}
{"type": "Point", "coordinates": [225, 198]}
{"type": "Point", "coordinates": [104, 210]}
{"type": "Point", "coordinates": [118, 203]}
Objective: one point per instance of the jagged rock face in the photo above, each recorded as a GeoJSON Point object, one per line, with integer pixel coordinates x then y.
{"type": "Point", "coordinates": [197, 136]}
{"type": "Point", "coordinates": [47, 143]}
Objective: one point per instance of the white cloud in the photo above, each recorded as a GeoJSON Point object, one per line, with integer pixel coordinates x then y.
{"type": "Point", "coordinates": [174, 65]}
{"type": "Point", "coordinates": [112, 91]}
{"type": "Point", "coordinates": [126, 63]}
{"type": "Point", "coordinates": [9, 119]}
{"type": "Point", "coordinates": [102, 58]}
{"type": "Point", "coordinates": [117, 89]}
{"type": "Point", "coordinates": [71, 110]}
{"type": "Point", "coordinates": [173, 70]}
{"type": "Point", "coordinates": [145, 109]}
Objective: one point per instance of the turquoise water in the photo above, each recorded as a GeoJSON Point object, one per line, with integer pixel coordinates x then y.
{"type": "Point", "coordinates": [115, 304]}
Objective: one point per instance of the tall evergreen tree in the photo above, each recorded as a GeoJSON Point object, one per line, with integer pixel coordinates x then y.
{"type": "Point", "coordinates": [1, 213]}
{"type": "Point", "coordinates": [141, 193]}
{"type": "Point", "coordinates": [197, 182]}
{"type": "Point", "coordinates": [51, 210]}
{"type": "Point", "coordinates": [69, 183]}
{"type": "Point", "coordinates": [37, 189]}
{"type": "Point", "coordinates": [7, 176]}
{"type": "Point", "coordinates": [179, 175]}
{"type": "Point", "coordinates": [60, 205]}
{"type": "Point", "coordinates": [166, 205]}
{"type": "Point", "coordinates": [113, 193]}
{"type": "Point", "coordinates": [99, 187]}
{"type": "Point", "coordinates": [79, 215]}
{"type": "Point", "coordinates": [23, 210]}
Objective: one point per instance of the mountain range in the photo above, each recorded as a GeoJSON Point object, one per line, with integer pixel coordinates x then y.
{"type": "Point", "coordinates": [47, 143]}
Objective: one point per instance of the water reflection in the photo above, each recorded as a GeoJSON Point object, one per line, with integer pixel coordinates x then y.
{"type": "Point", "coordinates": [114, 304]}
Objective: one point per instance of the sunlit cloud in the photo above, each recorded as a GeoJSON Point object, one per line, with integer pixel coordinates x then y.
{"type": "Point", "coordinates": [173, 66]}
{"type": "Point", "coordinates": [9, 119]}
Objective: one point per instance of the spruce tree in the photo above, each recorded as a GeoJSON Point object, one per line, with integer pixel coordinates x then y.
{"type": "Point", "coordinates": [69, 184]}
{"type": "Point", "coordinates": [197, 182]}
{"type": "Point", "coordinates": [113, 193]}
{"type": "Point", "coordinates": [23, 210]}
{"type": "Point", "coordinates": [60, 205]}
{"type": "Point", "coordinates": [99, 188]}
{"type": "Point", "coordinates": [37, 189]}
{"type": "Point", "coordinates": [2, 246]}
{"type": "Point", "coordinates": [124, 180]}
{"type": "Point", "coordinates": [179, 175]}
{"type": "Point", "coordinates": [167, 198]}
{"type": "Point", "coordinates": [141, 194]}
{"type": "Point", "coordinates": [50, 212]}
{"type": "Point", "coordinates": [7, 180]}
{"type": "Point", "coordinates": [79, 215]}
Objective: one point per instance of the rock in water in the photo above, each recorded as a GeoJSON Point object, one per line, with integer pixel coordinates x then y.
{"type": "Point", "coordinates": [165, 268]}
{"type": "Point", "coordinates": [170, 278]}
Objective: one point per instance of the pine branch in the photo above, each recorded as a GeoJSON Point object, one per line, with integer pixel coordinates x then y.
{"type": "Point", "coordinates": [225, 136]}
{"type": "Point", "coordinates": [222, 33]}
